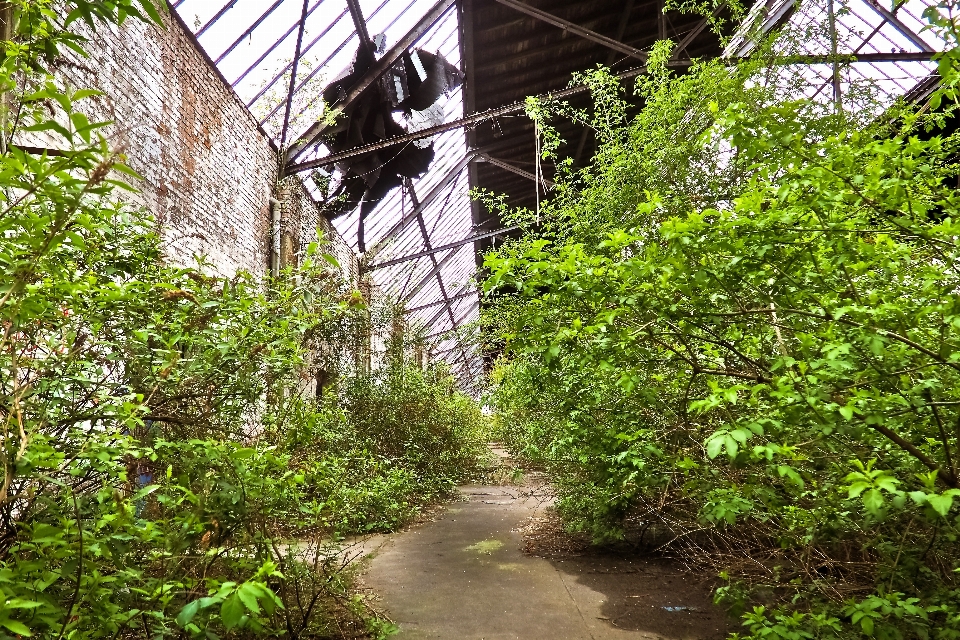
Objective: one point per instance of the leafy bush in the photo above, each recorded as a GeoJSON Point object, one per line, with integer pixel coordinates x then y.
{"type": "Point", "coordinates": [163, 472]}
{"type": "Point", "coordinates": [736, 333]}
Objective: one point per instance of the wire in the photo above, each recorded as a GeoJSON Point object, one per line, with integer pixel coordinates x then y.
{"type": "Point", "coordinates": [536, 183]}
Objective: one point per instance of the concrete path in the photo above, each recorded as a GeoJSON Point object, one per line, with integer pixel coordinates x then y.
{"type": "Point", "coordinates": [463, 576]}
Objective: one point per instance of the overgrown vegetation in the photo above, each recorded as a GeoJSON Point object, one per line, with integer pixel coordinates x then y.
{"type": "Point", "coordinates": [734, 339]}
{"type": "Point", "coordinates": [164, 471]}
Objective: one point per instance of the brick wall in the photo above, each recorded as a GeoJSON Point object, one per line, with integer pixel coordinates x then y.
{"type": "Point", "coordinates": [208, 170]}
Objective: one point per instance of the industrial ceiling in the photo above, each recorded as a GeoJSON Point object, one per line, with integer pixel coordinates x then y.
{"type": "Point", "coordinates": [424, 239]}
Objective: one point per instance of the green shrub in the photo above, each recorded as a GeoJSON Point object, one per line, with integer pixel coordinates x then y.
{"type": "Point", "coordinates": [163, 474]}
{"type": "Point", "coordinates": [738, 326]}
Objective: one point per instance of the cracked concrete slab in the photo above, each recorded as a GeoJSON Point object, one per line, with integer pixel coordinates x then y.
{"type": "Point", "coordinates": [463, 576]}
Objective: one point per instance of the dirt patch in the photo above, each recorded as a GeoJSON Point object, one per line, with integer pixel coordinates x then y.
{"type": "Point", "coordinates": [642, 592]}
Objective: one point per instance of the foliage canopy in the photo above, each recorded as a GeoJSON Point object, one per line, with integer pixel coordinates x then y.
{"type": "Point", "coordinates": [736, 332]}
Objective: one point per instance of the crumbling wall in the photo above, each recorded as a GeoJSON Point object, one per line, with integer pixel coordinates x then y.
{"type": "Point", "coordinates": [208, 170]}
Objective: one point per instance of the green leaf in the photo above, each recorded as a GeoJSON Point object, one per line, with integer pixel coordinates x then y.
{"type": "Point", "coordinates": [86, 93]}
{"type": "Point", "coordinates": [941, 503]}
{"type": "Point", "coordinates": [232, 612]}
{"type": "Point", "coordinates": [242, 453]}
{"type": "Point", "coordinates": [873, 501]}
{"type": "Point", "coordinates": [151, 10]}
{"type": "Point", "coordinates": [248, 594]}
{"type": "Point", "coordinates": [16, 627]}
{"type": "Point", "coordinates": [714, 445]}
{"type": "Point", "coordinates": [17, 603]}
{"type": "Point", "coordinates": [188, 612]}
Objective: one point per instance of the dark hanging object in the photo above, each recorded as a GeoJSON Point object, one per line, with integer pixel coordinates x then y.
{"type": "Point", "coordinates": [415, 83]}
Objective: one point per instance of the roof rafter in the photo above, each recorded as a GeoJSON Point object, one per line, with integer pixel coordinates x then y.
{"type": "Point", "coordinates": [566, 25]}
{"type": "Point", "coordinates": [476, 118]}
{"type": "Point", "coordinates": [898, 24]}
{"type": "Point", "coordinates": [435, 250]}
{"type": "Point", "coordinates": [512, 169]}
{"type": "Point", "coordinates": [273, 48]}
{"type": "Point", "coordinates": [434, 193]}
{"type": "Point", "coordinates": [433, 258]}
{"type": "Point", "coordinates": [458, 296]}
{"type": "Point", "coordinates": [408, 296]}
{"type": "Point", "coordinates": [216, 18]}
{"type": "Point", "coordinates": [251, 29]}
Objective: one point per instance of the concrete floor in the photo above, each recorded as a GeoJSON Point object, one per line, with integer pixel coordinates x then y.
{"type": "Point", "coordinates": [462, 576]}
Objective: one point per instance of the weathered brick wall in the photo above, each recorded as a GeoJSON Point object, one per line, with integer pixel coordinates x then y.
{"type": "Point", "coordinates": [208, 170]}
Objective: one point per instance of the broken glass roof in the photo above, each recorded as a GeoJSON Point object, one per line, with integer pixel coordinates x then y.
{"type": "Point", "coordinates": [253, 43]}
{"type": "Point", "coordinates": [892, 45]}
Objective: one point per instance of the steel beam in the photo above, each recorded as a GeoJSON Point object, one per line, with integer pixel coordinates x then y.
{"type": "Point", "coordinates": [216, 18]}
{"type": "Point", "coordinates": [433, 272]}
{"type": "Point", "coordinates": [443, 351]}
{"type": "Point", "coordinates": [474, 119]}
{"type": "Point", "coordinates": [269, 85]}
{"type": "Point", "coordinates": [435, 250]}
{"type": "Point", "coordinates": [470, 309]}
{"type": "Point", "coordinates": [360, 25]}
{"type": "Point", "coordinates": [311, 135]}
{"type": "Point", "coordinates": [697, 30]}
{"type": "Point", "coordinates": [566, 25]}
{"type": "Point", "coordinates": [468, 62]}
{"type": "Point", "coordinates": [518, 107]}
{"type": "Point", "coordinates": [459, 296]}
{"type": "Point", "coordinates": [426, 242]}
{"type": "Point", "coordinates": [436, 317]}
{"type": "Point", "coordinates": [611, 58]}
{"type": "Point", "coordinates": [245, 34]}
{"type": "Point", "coordinates": [433, 195]}
{"type": "Point", "coordinates": [323, 65]}
{"type": "Point", "coordinates": [512, 169]}
{"type": "Point", "coordinates": [661, 20]}
{"type": "Point", "coordinates": [273, 47]}
{"type": "Point", "coordinates": [850, 58]}
{"type": "Point", "coordinates": [899, 25]}
{"type": "Point", "coordinates": [293, 76]}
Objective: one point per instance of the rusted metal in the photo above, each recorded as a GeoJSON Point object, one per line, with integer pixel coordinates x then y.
{"type": "Point", "coordinates": [476, 118]}
{"type": "Point", "coordinates": [360, 26]}
{"type": "Point", "coordinates": [697, 30]}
